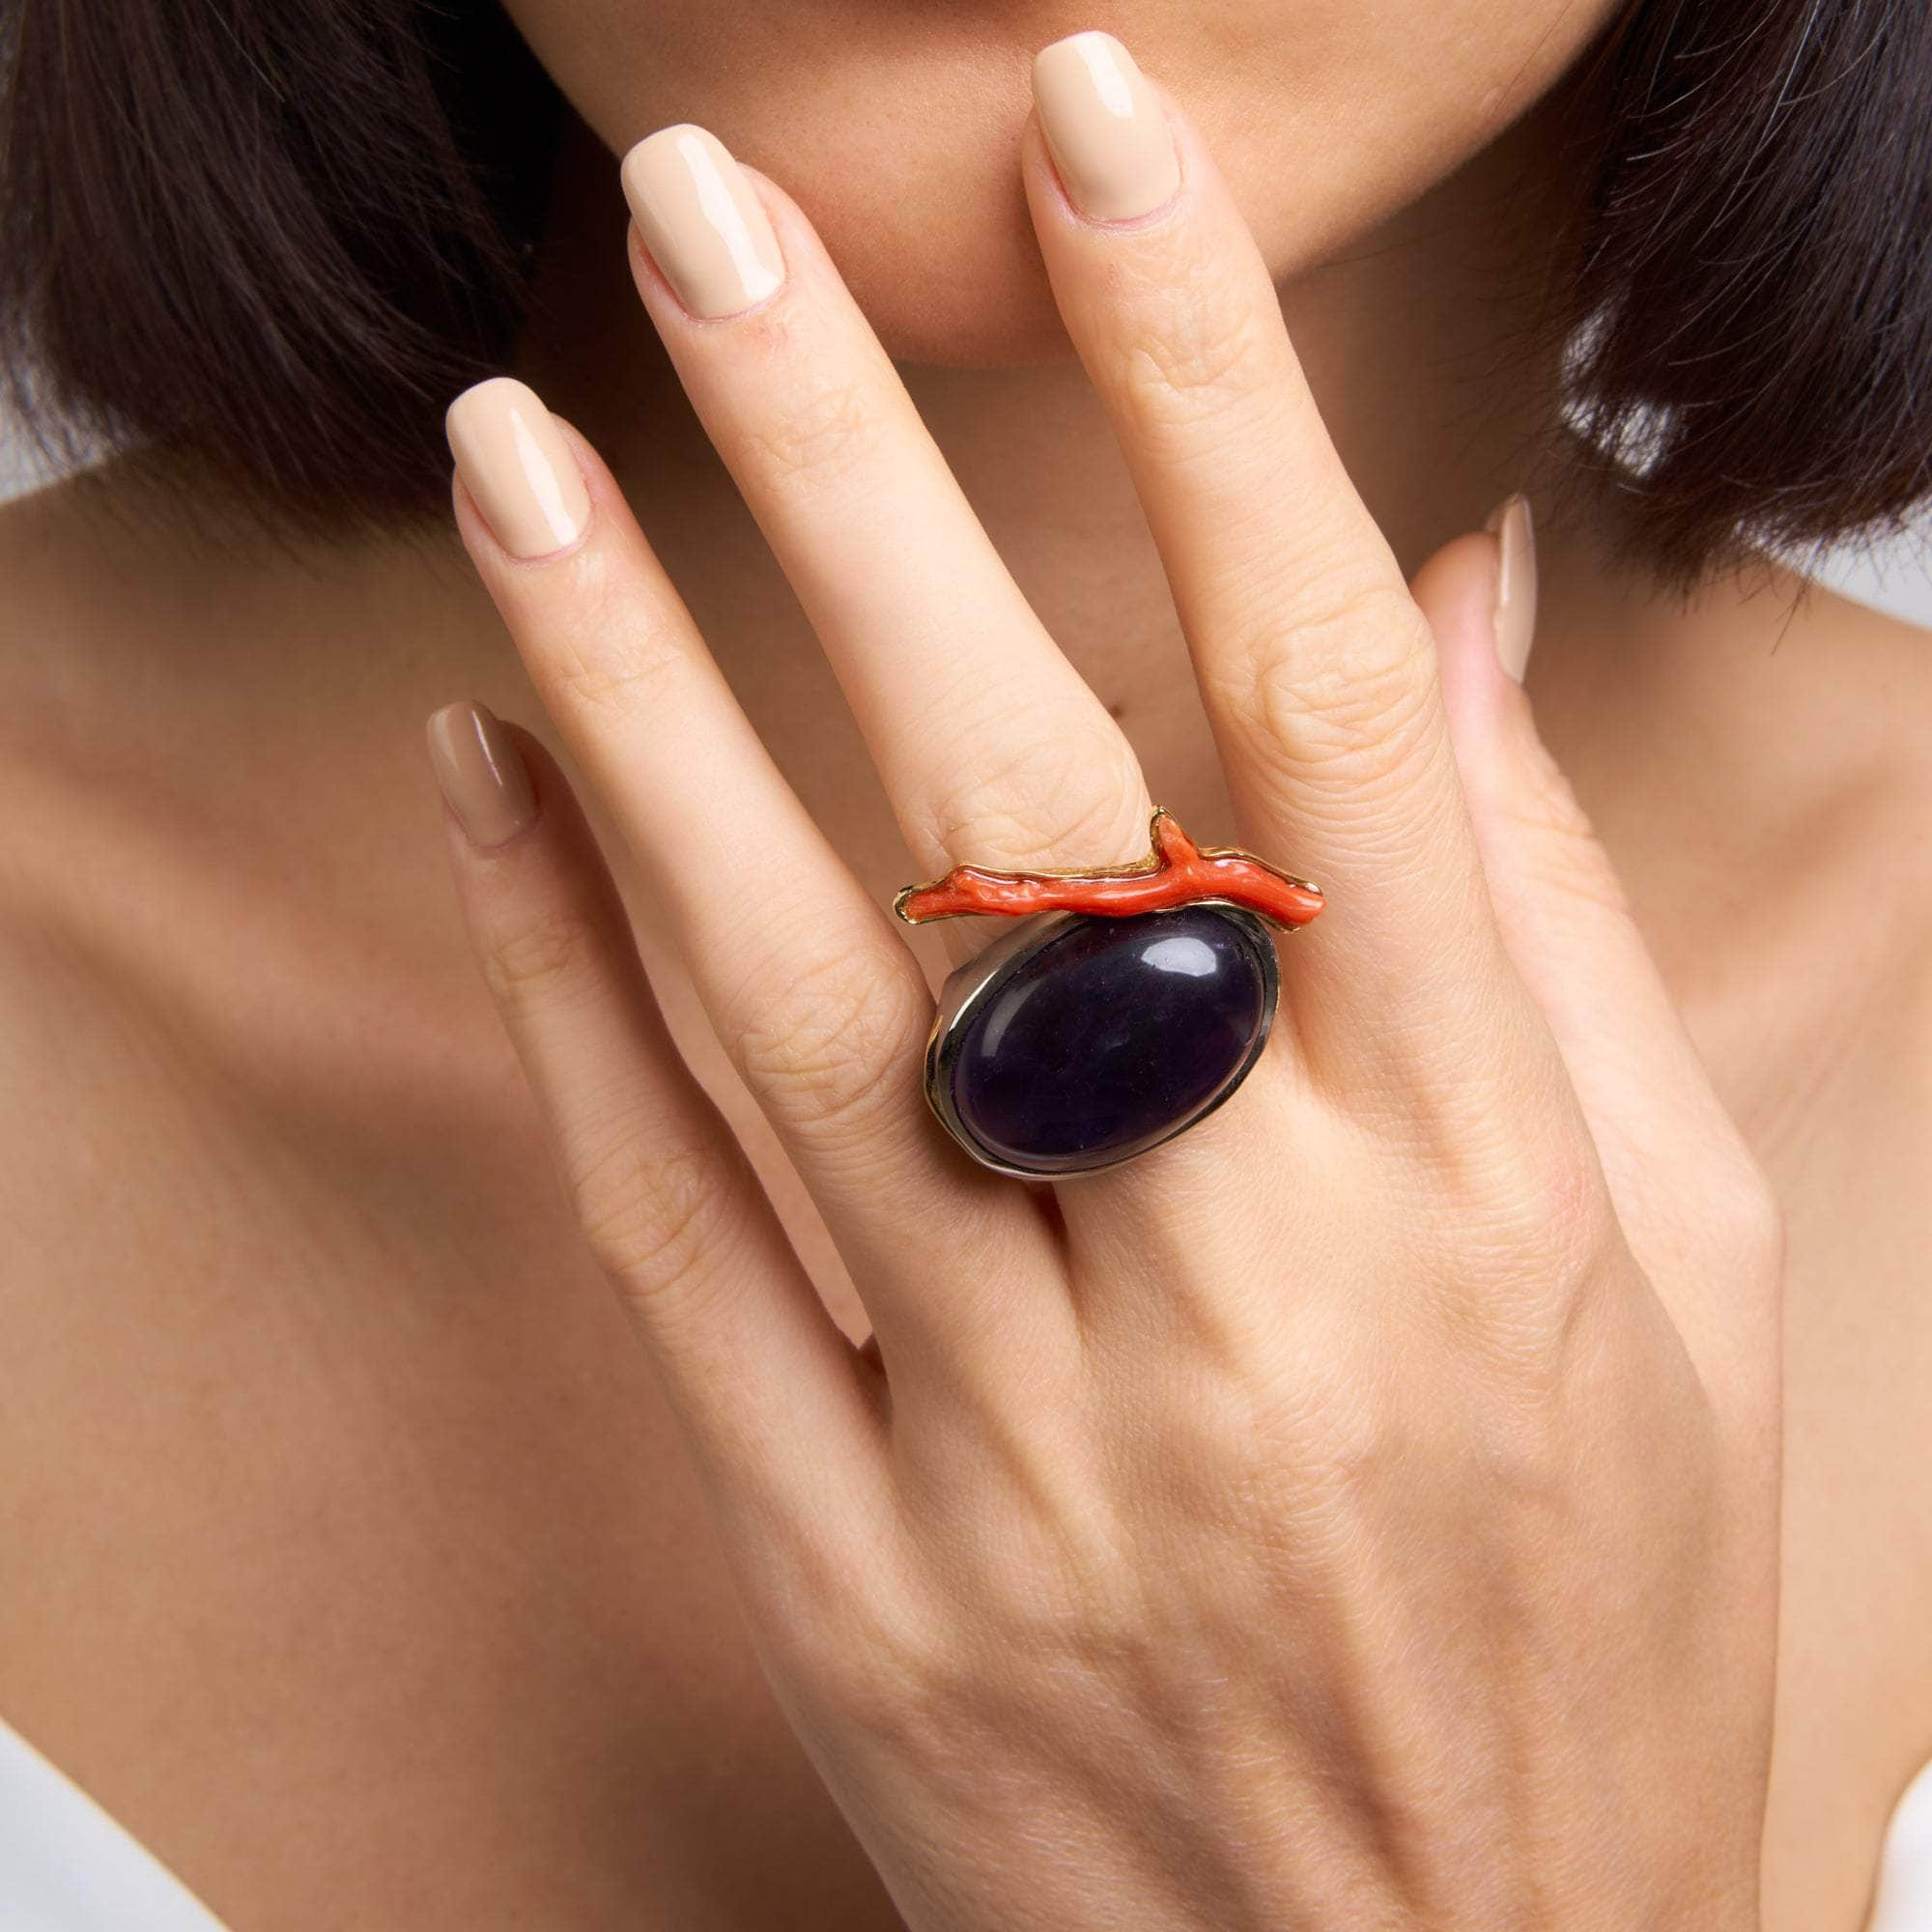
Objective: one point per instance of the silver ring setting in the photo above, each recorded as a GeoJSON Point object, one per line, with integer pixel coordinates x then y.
{"type": "Point", "coordinates": [1127, 1003]}
{"type": "Point", "coordinates": [1076, 1042]}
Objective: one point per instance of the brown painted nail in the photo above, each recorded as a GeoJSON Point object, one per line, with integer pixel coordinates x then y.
{"type": "Point", "coordinates": [481, 773]}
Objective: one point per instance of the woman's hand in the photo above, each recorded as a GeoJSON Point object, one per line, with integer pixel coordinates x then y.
{"type": "Point", "coordinates": [1360, 1510]}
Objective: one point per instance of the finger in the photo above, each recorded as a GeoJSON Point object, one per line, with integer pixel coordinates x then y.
{"type": "Point", "coordinates": [991, 747]}
{"type": "Point", "coordinates": [1316, 668]}
{"type": "Point", "coordinates": [1681, 1176]}
{"type": "Point", "coordinates": [822, 1007]}
{"type": "Point", "coordinates": [768, 1392]}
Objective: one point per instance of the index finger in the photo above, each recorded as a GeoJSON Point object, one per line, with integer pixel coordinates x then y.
{"type": "Point", "coordinates": [1315, 666]}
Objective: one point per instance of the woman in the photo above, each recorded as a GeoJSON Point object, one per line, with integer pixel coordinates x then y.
{"type": "Point", "coordinates": [1363, 1506]}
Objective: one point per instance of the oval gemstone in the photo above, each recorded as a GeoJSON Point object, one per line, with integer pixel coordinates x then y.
{"type": "Point", "coordinates": [1111, 1034]}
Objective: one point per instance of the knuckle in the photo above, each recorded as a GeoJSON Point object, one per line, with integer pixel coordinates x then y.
{"type": "Point", "coordinates": [539, 960]}
{"type": "Point", "coordinates": [1546, 803]}
{"type": "Point", "coordinates": [1563, 1222]}
{"type": "Point", "coordinates": [614, 642]}
{"type": "Point", "coordinates": [1044, 797]}
{"type": "Point", "coordinates": [619, 668]}
{"type": "Point", "coordinates": [1530, 1238]}
{"type": "Point", "coordinates": [651, 1210]}
{"type": "Point", "coordinates": [875, 1654]}
{"type": "Point", "coordinates": [824, 432]}
{"type": "Point", "coordinates": [1354, 1446]}
{"type": "Point", "coordinates": [1331, 1436]}
{"type": "Point", "coordinates": [883, 1680]}
{"type": "Point", "coordinates": [1342, 689]}
{"type": "Point", "coordinates": [828, 1038]}
{"type": "Point", "coordinates": [1209, 352]}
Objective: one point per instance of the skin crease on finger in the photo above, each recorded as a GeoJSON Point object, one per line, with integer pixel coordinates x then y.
{"type": "Point", "coordinates": [405, 1556]}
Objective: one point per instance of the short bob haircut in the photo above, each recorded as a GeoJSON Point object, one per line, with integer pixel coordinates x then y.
{"type": "Point", "coordinates": [273, 236]}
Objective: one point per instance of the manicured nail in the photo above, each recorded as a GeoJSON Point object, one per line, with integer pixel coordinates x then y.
{"type": "Point", "coordinates": [704, 227]}
{"type": "Point", "coordinates": [514, 461]}
{"type": "Point", "coordinates": [1104, 125]}
{"type": "Point", "coordinates": [481, 773]}
{"type": "Point", "coordinates": [1515, 532]}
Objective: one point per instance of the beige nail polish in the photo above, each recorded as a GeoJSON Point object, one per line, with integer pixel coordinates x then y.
{"type": "Point", "coordinates": [1104, 125]}
{"type": "Point", "coordinates": [704, 227]}
{"type": "Point", "coordinates": [1515, 531]}
{"type": "Point", "coordinates": [515, 462]}
{"type": "Point", "coordinates": [481, 773]}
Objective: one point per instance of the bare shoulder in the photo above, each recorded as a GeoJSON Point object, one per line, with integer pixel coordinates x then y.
{"type": "Point", "coordinates": [1883, 664]}
{"type": "Point", "coordinates": [1835, 763]}
{"type": "Point", "coordinates": [122, 536]}
{"type": "Point", "coordinates": [83, 573]}
{"type": "Point", "coordinates": [97, 864]}
{"type": "Point", "coordinates": [39, 559]}
{"type": "Point", "coordinates": [78, 538]}
{"type": "Point", "coordinates": [1873, 701]}
{"type": "Point", "coordinates": [75, 573]}
{"type": "Point", "coordinates": [72, 1039]}
{"type": "Point", "coordinates": [1832, 965]}
{"type": "Point", "coordinates": [1819, 1033]}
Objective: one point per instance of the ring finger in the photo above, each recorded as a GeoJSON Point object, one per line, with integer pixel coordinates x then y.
{"type": "Point", "coordinates": [991, 748]}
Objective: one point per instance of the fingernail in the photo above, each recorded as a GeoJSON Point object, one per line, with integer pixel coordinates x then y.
{"type": "Point", "coordinates": [514, 461]}
{"type": "Point", "coordinates": [704, 227]}
{"type": "Point", "coordinates": [1515, 531]}
{"type": "Point", "coordinates": [481, 773]}
{"type": "Point", "coordinates": [1104, 125]}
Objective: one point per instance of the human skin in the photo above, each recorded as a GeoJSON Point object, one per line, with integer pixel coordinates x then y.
{"type": "Point", "coordinates": [1401, 1549]}
{"type": "Point", "coordinates": [384, 1291]}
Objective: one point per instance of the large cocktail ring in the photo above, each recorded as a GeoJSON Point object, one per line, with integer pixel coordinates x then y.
{"type": "Point", "coordinates": [1129, 1003]}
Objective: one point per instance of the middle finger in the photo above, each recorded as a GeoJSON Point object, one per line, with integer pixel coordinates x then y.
{"type": "Point", "coordinates": [1315, 666]}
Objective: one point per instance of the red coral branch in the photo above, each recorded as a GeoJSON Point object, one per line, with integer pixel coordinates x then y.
{"type": "Point", "coordinates": [1176, 873]}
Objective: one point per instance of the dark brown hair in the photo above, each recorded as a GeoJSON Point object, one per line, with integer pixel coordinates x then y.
{"type": "Point", "coordinates": [1753, 290]}
{"type": "Point", "coordinates": [278, 234]}
{"type": "Point", "coordinates": [275, 234]}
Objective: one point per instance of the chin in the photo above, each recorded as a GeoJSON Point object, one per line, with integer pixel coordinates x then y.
{"type": "Point", "coordinates": [908, 168]}
{"type": "Point", "coordinates": [951, 276]}
{"type": "Point", "coordinates": [896, 128]}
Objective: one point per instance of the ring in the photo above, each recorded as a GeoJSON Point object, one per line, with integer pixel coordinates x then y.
{"type": "Point", "coordinates": [1129, 1003]}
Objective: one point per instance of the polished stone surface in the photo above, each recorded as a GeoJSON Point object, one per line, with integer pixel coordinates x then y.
{"type": "Point", "coordinates": [1102, 1040]}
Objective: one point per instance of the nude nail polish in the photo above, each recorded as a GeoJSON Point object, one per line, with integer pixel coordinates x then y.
{"type": "Point", "coordinates": [480, 772]}
{"type": "Point", "coordinates": [514, 461]}
{"type": "Point", "coordinates": [699, 218]}
{"type": "Point", "coordinates": [1515, 531]}
{"type": "Point", "coordinates": [1104, 125]}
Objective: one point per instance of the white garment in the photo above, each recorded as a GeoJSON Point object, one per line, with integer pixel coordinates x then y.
{"type": "Point", "coordinates": [67, 1866]}
{"type": "Point", "coordinates": [1904, 1902]}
